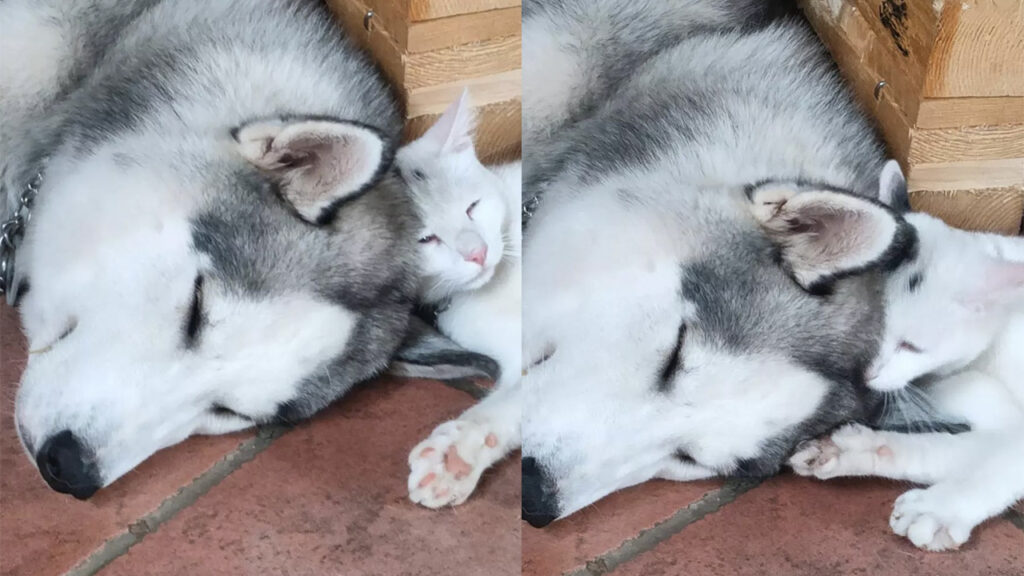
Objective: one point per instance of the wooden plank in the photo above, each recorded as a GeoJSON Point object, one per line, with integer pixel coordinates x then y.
{"type": "Point", "coordinates": [431, 9]}
{"type": "Point", "coordinates": [392, 16]}
{"type": "Point", "coordinates": [908, 27]}
{"type": "Point", "coordinates": [848, 38]}
{"type": "Point", "coordinates": [376, 41]}
{"type": "Point", "coordinates": [463, 62]}
{"type": "Point", "coordinates": [953, 112]}
{"type": "Point", "coordinates": [967, 143]}
{"type": "Point", "coordinates": [498, 131]}
{"type": "Point", "coordinates": [444, 32]}
{"type": "Point", "coordinates": [486, 90]}
{"type": "Point", "coordinates": [979, 51]}
{"type": "Point", "coordinates": [968, 175]}
{"type": "Point", "coordinates": [991, 210]}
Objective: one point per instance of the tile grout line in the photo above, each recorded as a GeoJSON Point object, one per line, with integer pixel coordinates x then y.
{"type": "Point", "coordinates": [183, 498]}
{"type": "Point", "coordinates": [647, 539]}
{"type": "Point", "coordinates": [468, 386]}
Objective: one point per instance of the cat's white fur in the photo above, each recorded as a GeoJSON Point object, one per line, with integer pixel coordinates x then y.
{"type": "Point", "coordinates": [956, 316]}
{"type": "Point", "coordinates": [471, 269]}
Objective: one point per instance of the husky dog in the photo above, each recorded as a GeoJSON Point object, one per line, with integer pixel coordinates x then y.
{"type": "Point", "coordinates": [954, 315]}
{"type": "Point", "coordinates": [470, 247]}
{"type": "Point", "coordinates": [701, 286]}
{"type": "Point", "coordinates": [216, 240]}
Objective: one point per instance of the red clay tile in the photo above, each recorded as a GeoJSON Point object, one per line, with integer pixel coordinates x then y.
{"type": "Point", "coordinates": [330, 498]}
{"type": "Point", "coordinates": [43, 533]}
{"type": "Point", "coordinates": [798, 527]}
{"type": "Point", "coordinates": [568, 544]}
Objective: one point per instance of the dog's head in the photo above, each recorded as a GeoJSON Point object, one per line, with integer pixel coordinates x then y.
{"type": "Point", "coordinates": [701, 339]}
{"type": "Point", "coordinates": [169, 288]}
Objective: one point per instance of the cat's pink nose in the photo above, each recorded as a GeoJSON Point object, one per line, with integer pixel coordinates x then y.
{"type": "Point", "coordinates": [477, 256]}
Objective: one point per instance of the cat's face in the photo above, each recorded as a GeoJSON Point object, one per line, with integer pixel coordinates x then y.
{"type": "Point", "coordinates": [461, 204]}
{"type": "Point", "coordinates": [945, 307]}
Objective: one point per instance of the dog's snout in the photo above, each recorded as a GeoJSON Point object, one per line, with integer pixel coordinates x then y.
{"type": "Point", "coordinates": [539, 506]}
{"type": "Point", "coordinates": [63, 464]}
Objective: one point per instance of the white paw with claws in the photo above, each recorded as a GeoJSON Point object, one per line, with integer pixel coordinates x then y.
{"type": "Point", "coordinates": [851, 450]}
{"type": "Point", "coordinates": [928, 519]}
{"type": "Point", "coordinates": [446, 467]}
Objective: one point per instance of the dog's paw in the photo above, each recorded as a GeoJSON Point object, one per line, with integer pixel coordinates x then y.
{"type": "Point", "coordinates": [926, 518]}
{"type": "Point", "coordinates": [446, 467]}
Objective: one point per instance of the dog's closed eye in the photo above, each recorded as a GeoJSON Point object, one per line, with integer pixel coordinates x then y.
{"type": "Point", "coordinates": [195, 319]}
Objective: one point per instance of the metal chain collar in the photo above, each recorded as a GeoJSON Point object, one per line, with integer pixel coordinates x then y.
{"type": "Point", "coordinates": [11, 232]}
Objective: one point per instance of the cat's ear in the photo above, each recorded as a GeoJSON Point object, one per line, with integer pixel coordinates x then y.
{"type": "Point", "coordinates": [892, 187]}
{"type": "Point", "coordinates": [823, 235]}
{"type": "Point", "coordinates": [1000, 282]}
{"type": "Point", "coordinates": [453, 131]}
{"type": "Point", "coordinates": [318, 163]}
{"type": "Point", "coordinates": [426, 353]}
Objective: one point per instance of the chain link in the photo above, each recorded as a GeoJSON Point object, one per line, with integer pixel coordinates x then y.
{"type": "Point", "coordinates": [11, 232]}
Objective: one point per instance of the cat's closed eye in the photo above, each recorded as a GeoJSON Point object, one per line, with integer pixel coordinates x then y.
{"type": "Point", "coordinates": [429, 239]}
{"type": "Point", "coordinates": [469, 211]}
{"type": "Point", "coordinates": [908, 347]}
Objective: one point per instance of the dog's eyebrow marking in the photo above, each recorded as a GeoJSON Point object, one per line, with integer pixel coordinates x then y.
{"type": "Point", "coordinates": [671, 366]}
{"type": "Point", "coordinates": [195, 319]}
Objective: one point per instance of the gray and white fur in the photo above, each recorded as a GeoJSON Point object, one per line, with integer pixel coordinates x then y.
{"type": "Point", "coordinates": [700, 271]}
{"type": "Point", "coordinates": [218, 240]}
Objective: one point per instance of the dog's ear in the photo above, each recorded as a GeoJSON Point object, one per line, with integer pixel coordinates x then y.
{"type": "Point", "coordinates": [892, 187]}
{"type": "Point", "coordinates": [823, 235]}
{"type": "Point", "coordinates": [453, 130]}
{"type": "Point", "coordinates": [426, 353]}
{"type": "Point", "coordinates": [318, 163]}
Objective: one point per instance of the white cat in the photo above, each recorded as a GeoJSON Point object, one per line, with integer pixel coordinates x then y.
{"type": "Point", "coordinates": [955, 314]}
{"type": "Point", "coordinates": [470, 248]}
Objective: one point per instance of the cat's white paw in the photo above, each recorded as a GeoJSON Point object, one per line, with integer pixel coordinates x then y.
{"type": "Point", "coordinates": [446, 467]}
{"type": "Point", "coordinates": [927, 518]}
{"type": "Point", "coordinates": [818, 458]}
{"type": "Point", "coordinates": [850, 450]}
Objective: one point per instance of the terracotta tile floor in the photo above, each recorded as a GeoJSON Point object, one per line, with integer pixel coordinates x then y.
{"type": "Point", "coordinates": [786, 526]}
{"type": "Point", "coordinates": [328, 497]}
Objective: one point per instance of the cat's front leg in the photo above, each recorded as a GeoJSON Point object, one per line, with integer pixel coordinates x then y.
{"type": "Point", "coordinates": [943, 516]}
{"type": "Point", "coordinates": [445, 468]}
{"type": "Point", "coordinates": [856, 450]}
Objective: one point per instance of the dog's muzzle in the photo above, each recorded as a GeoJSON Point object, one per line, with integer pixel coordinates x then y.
{"type": "Point", "coordinates": [539, 504]}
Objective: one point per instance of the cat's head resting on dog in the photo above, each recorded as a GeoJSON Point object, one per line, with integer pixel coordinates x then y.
{"type": "Point", "coordinates": [460, 203]}
{"type": "Point", "coordinates": [945, 306]}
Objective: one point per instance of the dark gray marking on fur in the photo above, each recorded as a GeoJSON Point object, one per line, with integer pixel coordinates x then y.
{"type": "Point", "coordinates": [914, 284]}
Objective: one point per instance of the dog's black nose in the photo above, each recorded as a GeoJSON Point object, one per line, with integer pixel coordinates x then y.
{"type": "Point", "coordinates": [539, 506]}
{"type": "Point", "coordinates": [61, 461]}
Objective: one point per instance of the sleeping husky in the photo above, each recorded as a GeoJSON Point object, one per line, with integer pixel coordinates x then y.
{"type": "Point", "coordinates": [701, 287]}
{"type": "Point", "coordinates": [216, 239]}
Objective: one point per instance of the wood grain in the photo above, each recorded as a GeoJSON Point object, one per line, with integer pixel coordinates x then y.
{"type": "Point", "coordinates": [953, 112]}
{"type": "Point", "coordinates": [444, 32]}
{"type": "Point", "coordinates": [463, 62]}
{"type": "Point", "coordinates": [968, 175]}
{"type": "Point", "coordinates": [991, 210]}
{"type": "Point", "coordinates": [498, 133]}
{"type": "Point", "coordinates": [485, 90]}
{"type": "Point", "coordinates": [431, 9]}
{"type": "Point", "coordinates": [939, 145]}
{"type": "Point", "coordinates": [980, 50]}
